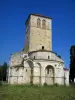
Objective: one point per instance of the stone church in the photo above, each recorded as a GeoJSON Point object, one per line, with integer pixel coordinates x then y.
{"type": "Point", "coordinates": [37, 63]}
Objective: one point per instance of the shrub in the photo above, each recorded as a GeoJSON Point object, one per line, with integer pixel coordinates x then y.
{"type": "Point", "coordinates": [73, 84]}
{"type": "Point", "coordinates": [56, 84]}
{"type": "Point", "coordinates": [0, 83]}
{"type": "Point", "coordinates": [45, 84]}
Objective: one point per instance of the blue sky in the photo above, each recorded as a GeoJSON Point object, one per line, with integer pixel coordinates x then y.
{"type": "Point", "coordinates": [13, 14]}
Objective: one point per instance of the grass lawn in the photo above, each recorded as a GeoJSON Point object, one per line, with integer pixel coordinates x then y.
{"type": "Point", "coordinates": [29, 92]}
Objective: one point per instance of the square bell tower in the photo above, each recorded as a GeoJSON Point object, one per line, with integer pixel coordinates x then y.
{"type": "Point", "coordinates": [38, 33]}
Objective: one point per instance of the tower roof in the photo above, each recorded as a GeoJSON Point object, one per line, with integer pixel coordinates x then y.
{"type": "Point", "coordinates": [39, 15]}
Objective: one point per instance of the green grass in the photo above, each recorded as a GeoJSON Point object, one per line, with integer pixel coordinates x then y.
{"type": "Point", "coordinates": [31, 92]}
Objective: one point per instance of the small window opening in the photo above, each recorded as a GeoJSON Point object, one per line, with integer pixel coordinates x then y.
{"type": "Point", "coordinates": [42, 47]}
{"type": "Point", "coordinates": [34, 57]}
{"type": "Point", "coordinates": [48, 57]}
{"type": "Point", "coordinates": [26, 70]}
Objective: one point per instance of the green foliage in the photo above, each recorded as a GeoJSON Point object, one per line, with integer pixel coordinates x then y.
{"type": "Point", "coordinates": [45, 84]}
{"type": "Point", "coordinates": [0, 83]}
{"type": "Point", "coordinates": [3, 71]}
{"type": "Point", "coordinates": [35, 92]}
{"type": "Point", "coordinates": [72, 63]}
{"type": "Point", "coordinates": [59, 56]}
{"type": "Point", "coordinates": [72, 84]}
{"type": "Point", "coordinates": [56, 84]}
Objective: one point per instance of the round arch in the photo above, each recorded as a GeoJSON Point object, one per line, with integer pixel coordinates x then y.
{"type": "Point", "coordinates": [30, 62]}
{"type": "Point", "coordinates": [49, 74]}
{"type": "Point", "coordinates": [30, 70]}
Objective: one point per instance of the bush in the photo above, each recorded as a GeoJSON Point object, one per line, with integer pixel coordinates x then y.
{"type": "Point", "coordinates": [45, 84]}
{"type": "Point", "coordinates": [72, 84]}
{"type": "Point", "coordinates": [0, 83]}
{"type": "Point", "coordinates": [56, 84]}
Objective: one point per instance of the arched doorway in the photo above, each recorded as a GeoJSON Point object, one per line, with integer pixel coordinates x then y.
{"type": "Point", "coordinates": [29, 71]}
{"type": "Point", "coordinates": [49, 75]}
{"type": "Point", "coordinates": [40, 72]}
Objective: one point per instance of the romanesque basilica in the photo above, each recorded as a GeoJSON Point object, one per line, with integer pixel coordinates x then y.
{"type": "Point", "coordinates": [37, 63]}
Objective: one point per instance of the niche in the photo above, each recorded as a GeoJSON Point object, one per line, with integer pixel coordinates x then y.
{"type": "Point", "coordinates": [42, 47]}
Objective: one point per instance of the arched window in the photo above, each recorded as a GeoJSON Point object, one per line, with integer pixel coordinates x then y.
{"type": "Point", "coordinates": [43, 24]}
{"type": "Point", "coordinates": [38, 23]}
{"type": "Point", "coordinates": [48, 57]}
{"type": "Point", "coordinates": [42, 47]}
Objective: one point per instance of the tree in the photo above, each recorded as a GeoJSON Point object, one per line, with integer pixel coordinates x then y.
{"type": "Point", "coordinates": [72, 63]}
{"type": "Point", "coordinates": [59, 56]}
{"type": "Point", "coordinates": [0, 72]}
{"type": "Point", "coordinates": [3, 71]}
